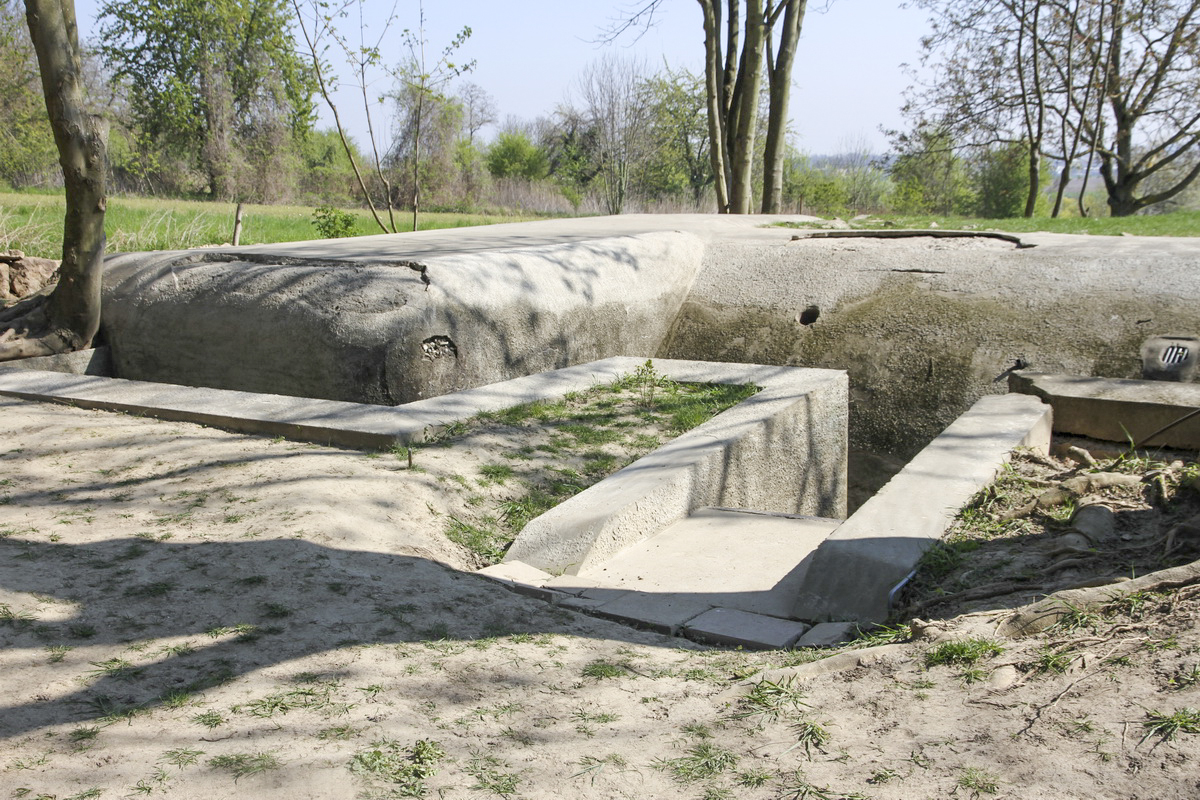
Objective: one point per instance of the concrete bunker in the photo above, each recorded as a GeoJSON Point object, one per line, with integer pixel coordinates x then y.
{"type": "Point", "coordinates": [924, 327]}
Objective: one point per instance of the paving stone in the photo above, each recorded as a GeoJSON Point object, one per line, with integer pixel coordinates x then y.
{"type": "Point", "coordinates": [731, 626]}
{"type": "Point", "coordinates": [828, 634]}
{"type": "Point", "coordinates": [665, 613]}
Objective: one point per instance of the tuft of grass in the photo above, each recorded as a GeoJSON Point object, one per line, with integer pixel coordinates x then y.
{"type": "Point", "coordinates": [57, 652]}
{"type": "Point", "coordinates": [117, 668]}
{"type": "Point", "coordinates": [1051, 660]}
{"type": "Point", "coordinates": [811, 734]}
{"type": "Point", "coordinates": [181, 756]}
{"type": "Point", "coordinates": [978, 780]}
{"type": "Point", "coordinates": [84, 733]}
{"type": "Point", "coordinates": [239, 765]}
{"type": "Point", "coordinates": [403, 770]}
{"type": "Point", "coordinates": [496, 472]}
{"type": "Point", "coordinates": [770, 699]}
{"type": "Point", "coordinates": [703, 760]}
{"type": "Point", "coordinates": [482, 539]}
{"type": "Point", "coordinates": [601, 669]}
{"type": "Point", "coordinates": [882, 634]}
{"type": "Point", "coordinates": [593, 766]}
{"type": "Point", "coordinates": [1167, 726]}
{"type": "Point", "coordinates": [963, 652]}
{"type": "Point", "coordinates": [209, 719]}
{"type": "Point", "coordinates": [1076, 618]}
{"type": "Point", "coordinates": [491, 774]}
{"type": "Point", "coordinates": [1185, 678]}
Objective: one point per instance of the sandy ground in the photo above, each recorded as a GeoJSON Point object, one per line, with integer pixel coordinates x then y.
{"type": "Point", "coordinates": [196, 614]}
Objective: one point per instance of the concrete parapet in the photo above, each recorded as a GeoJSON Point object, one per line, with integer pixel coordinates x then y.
{"type": "Point", "coordinates": [855, 569]}
{"type": "Point", "coordinates": [319, 320]}
{"type": "Point", "coordinates": [1117, 410]}
{"type": "Point", "coordinates": [783, 450]}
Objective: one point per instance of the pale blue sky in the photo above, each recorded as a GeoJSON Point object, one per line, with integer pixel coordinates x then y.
{"type": "Point", "coordinates": [529, 53]}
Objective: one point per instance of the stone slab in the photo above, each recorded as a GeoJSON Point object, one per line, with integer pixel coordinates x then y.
{"type": "Point", "coordinates": [740, 628]}
{"type": "Point", "coordinates": [1116, 409]}
{"type": "Point", "coordinates": [782, 450]}
{"type": "Point", "coordinates": [855, 570]}
{"type": "Point", "coordinates": [740, 560]}
{"type": "Point", "coordinates": [665, 613]}
{"type": "Point", "coordinates": [828, 634]}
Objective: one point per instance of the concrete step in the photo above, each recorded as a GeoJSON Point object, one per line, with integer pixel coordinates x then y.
{"type": "Point", "coordinates": [733, 559]}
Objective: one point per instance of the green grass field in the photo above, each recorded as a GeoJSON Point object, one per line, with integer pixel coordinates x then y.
{"type": "Point", "coordinates": [1178, 223]}
{"type": "Point", "coordinates": [32, 222]}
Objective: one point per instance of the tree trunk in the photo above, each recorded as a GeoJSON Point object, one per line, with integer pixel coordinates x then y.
{"type": "Point", "coordinates": [714, 77]}
{"type": "Point", "coordinates": [72, 312]}
{"type": "Point", "coordinates": [745, 106]}
{"type": "Point", "coordinates": [780, 79]}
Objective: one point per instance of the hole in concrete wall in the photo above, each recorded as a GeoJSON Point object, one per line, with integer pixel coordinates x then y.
{"type": "Point", "coordinates": [436, 347]}
{"type": "Point", "coordinates": [809, 315]}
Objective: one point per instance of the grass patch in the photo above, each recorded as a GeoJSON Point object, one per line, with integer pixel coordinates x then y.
{"type": "Point", "coordinates": [703, 760]}
{"type": "Point", "coordinates": [601, 669]}
{"type": "Point", "coordinates": [582, 438]}
{"type": "Point", "coordinates": [403, 770]}
{"type": "Point", "coordinates": [239, 765]}
{"type": "Point", "coordinates": [1167, 726]}
{"type": "Point", "coordinates": [1177, 223]}
{"type": "Point", "coordinates": [769, 700]}
{"type": "Point", "coordinates": [963, 653]}
{"type": "Point", "coordinates": [978, 781]}
{"type": "Point", "coordinates": [33, 223]}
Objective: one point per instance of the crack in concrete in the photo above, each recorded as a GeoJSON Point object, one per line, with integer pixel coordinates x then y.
{"type": "Point", "coordinates": [293, 261]}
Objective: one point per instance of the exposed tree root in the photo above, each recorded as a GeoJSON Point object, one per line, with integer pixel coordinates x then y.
{"type": "Point", "coordinates": [1044, 614]}
{"type": "Point", "coordinates": [25, 330]}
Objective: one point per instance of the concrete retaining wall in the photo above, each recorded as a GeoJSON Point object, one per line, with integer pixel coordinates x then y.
{"type": "Point", "coordinates": [855, 569]}
{"type": "Point", "coordinates": [925, 326]}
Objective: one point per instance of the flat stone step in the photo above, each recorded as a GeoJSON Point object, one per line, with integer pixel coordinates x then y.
{"type": "Point", "coordinates": [730, 559]}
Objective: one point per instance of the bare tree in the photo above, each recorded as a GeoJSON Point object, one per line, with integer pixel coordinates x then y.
{"type": "Point", "coordinates": [316, 20]}
{"type": "Point", "coordinates": [425, 82]}
{"type": "Point", "coordinates": [69, 317]}
{"type": "Point", "coordinates": [1107, 78]}
{"type": "Point", "coordinates": [619, 113]}
{"type": "Point", "coordinates": [479, 108]}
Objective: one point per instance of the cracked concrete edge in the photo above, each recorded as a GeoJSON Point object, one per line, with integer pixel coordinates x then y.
{"type": "Point", "coordinates": [856, 568]}
{"type": "Point", "coordinates": [784, 449]}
